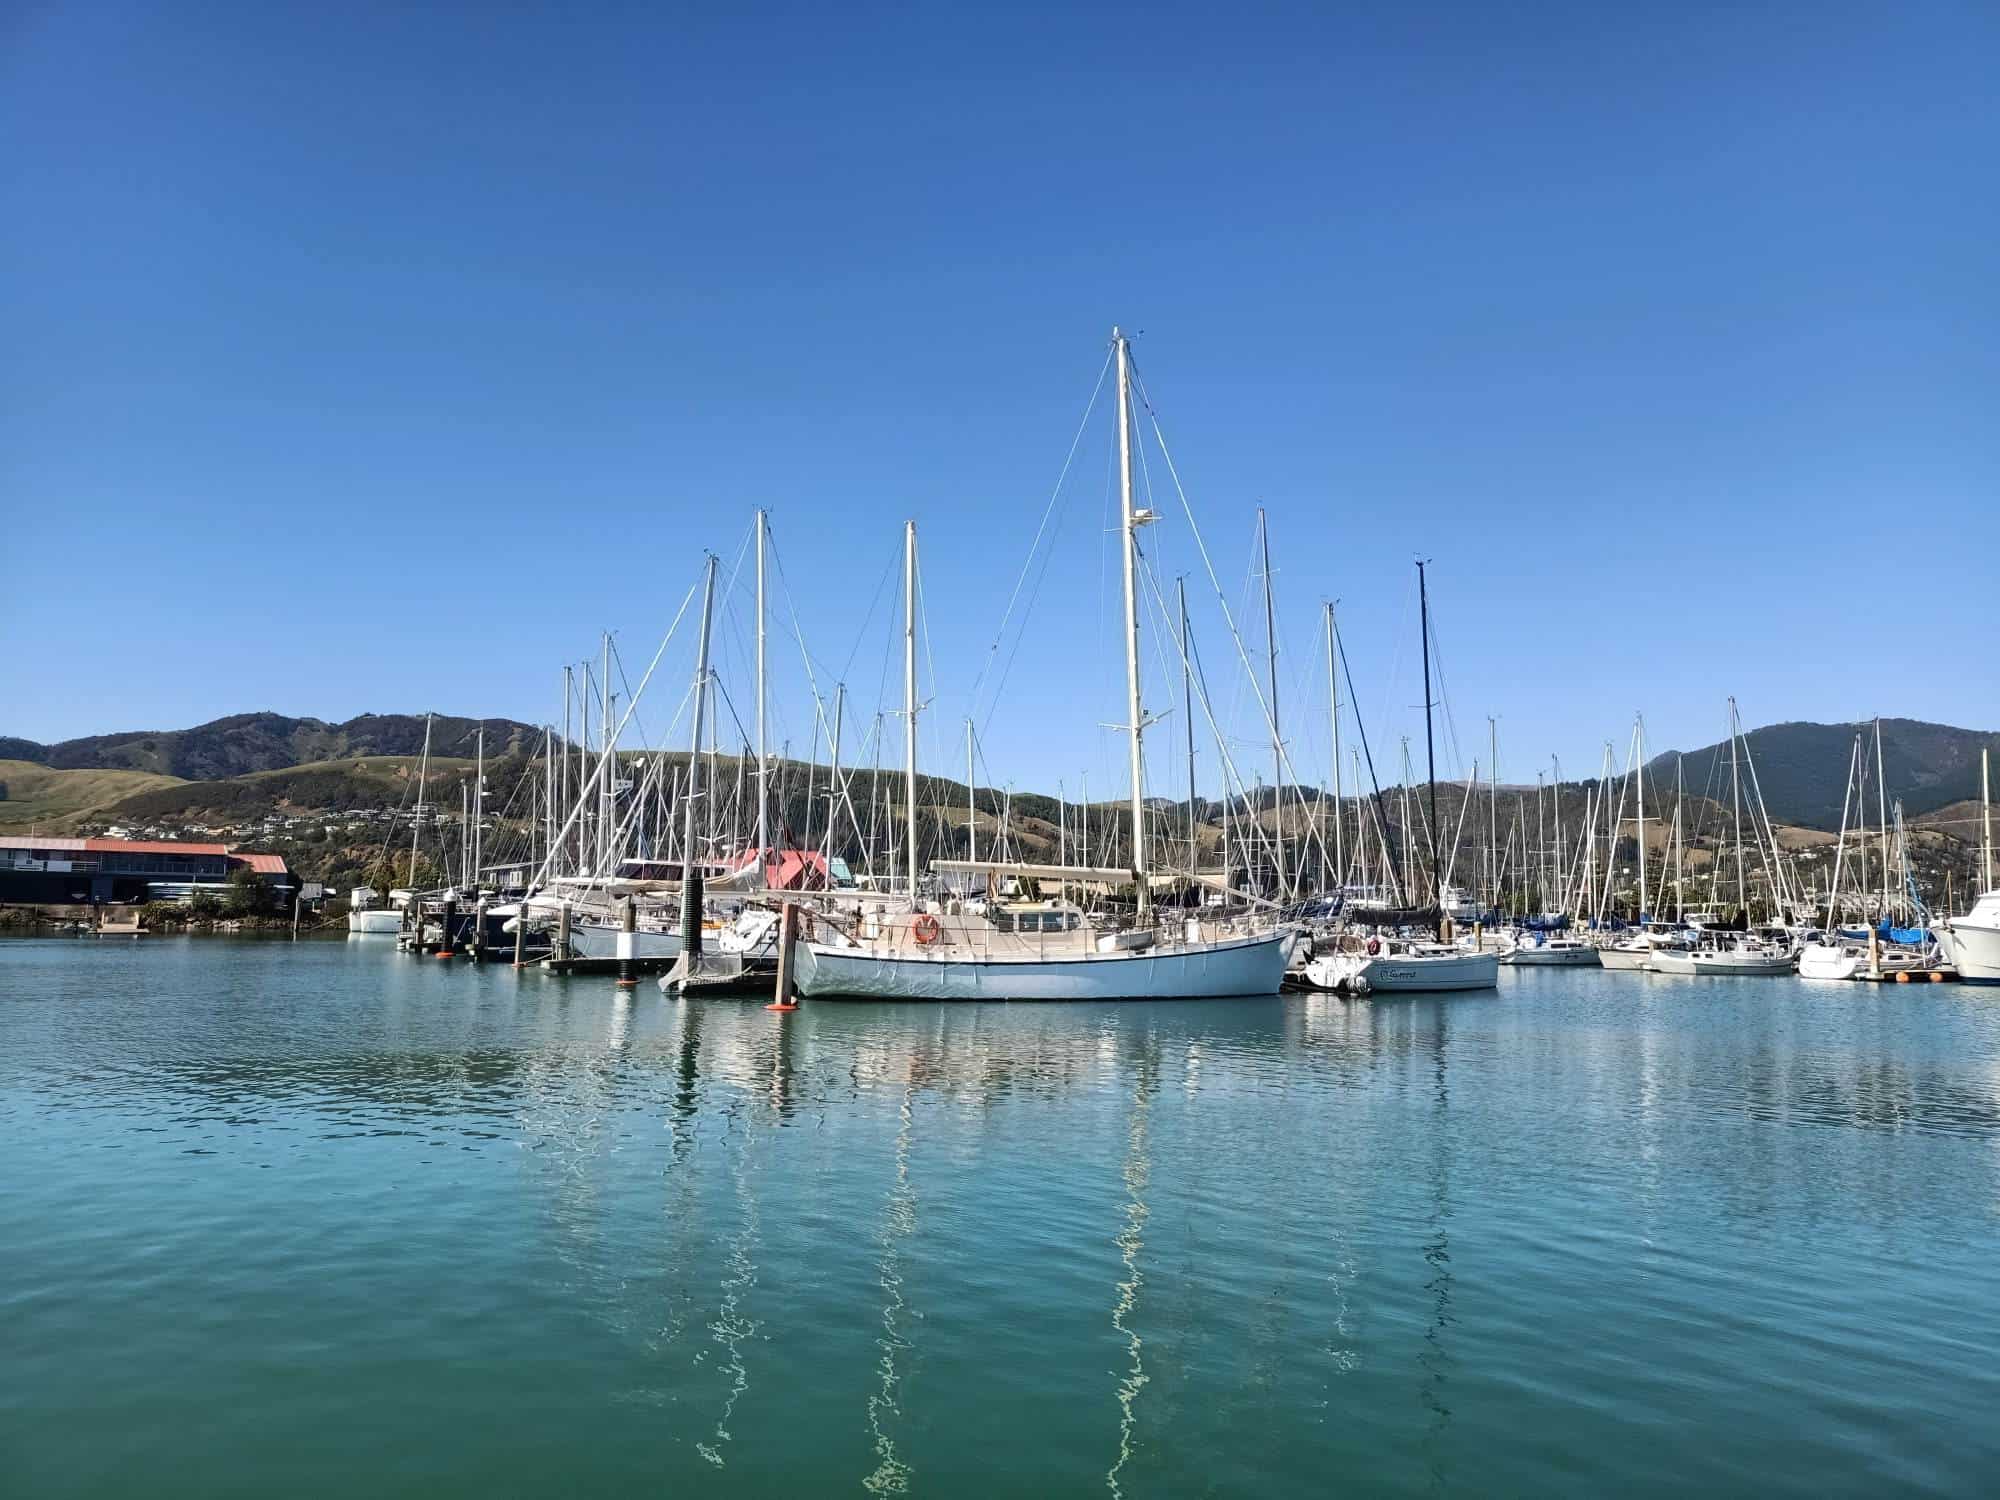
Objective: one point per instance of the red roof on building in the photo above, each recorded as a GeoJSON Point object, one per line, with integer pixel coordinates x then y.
{"type": "Point", "coordinates": [263, 864]}
{"type": "Point", "coordinates": [150, 846]}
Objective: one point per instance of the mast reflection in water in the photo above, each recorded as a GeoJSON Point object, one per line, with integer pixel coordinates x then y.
{"type": "Point", "coordinates": [531, 1236]}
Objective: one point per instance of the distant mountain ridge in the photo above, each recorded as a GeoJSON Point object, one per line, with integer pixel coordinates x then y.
{"type": "Point", "coordinates": [245, 743]}
{"type": "Point", "coordinates": [1802, 767]}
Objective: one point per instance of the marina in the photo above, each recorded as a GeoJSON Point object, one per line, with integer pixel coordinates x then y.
{"type": "Point", "coordinates": [1000, 751]}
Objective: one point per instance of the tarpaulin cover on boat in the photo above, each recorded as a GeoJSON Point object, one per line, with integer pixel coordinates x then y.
{"type": "Point", "coordinates": [1394, 916]}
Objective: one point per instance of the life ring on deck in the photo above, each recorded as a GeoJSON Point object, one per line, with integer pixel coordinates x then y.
{"type": "Point", "coordinates": [926, 929]}
{"type": "Point", "coordinates": [1374, 945]}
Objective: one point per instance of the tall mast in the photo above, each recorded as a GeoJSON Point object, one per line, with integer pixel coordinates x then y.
{"type": "Point", "coordinates": [567, 694]}
{"type": "Point", "coordinates": [1639, 730]}
{"type": "Point", "coordinates": [1409, 841]}
{"type": "Point", "coordinates": [690, 869]}
{"type": "Point", "coordinates": [1736, 804]}
{"type": "Point", "coordinates": [1985, 821]}
{"type": "Point", "coordinates": [548, 795]}
{"type": "Point", "coordinates": [610, 765]}
{"type": "Point", "coordinates": [1131, 521]}
{"type": "Point", "coordinates": [1277, 741]}
{"type": "Point", "coordinates": [971, 803]}
{"type": "Point", "coordinates": [1541, 840]}
{"type": "Point", "coordinates": [586, 820]}
{"type": "Point", "coordinates": [910, 698]}
{"type": "Point", "coordinates": [1556, 797]}
{"type": "Point", "coordinates": [1333, 717]}
{"type": "Point", "coordinates": [833, 787]}
{"type": "Point", "coordinates": [1187, 712]}
{"type": "Point", "coordinates": [1493, 811]}
{"type": "Point", "coordinates": [763, 749]}
{"type": "Point", "coordinates": [1882, 806]}
{"type": "Point", "coordinates": [1430, 747]}
{"type": "Point", "coordinates": [1680, 845]}
{"type": "Point", "coordinates": [479, 808]}
{"type": "Point", "coordinates": [423, 775]}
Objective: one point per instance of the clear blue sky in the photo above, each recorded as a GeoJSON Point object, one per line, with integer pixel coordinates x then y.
{"type": "Point", "coordinates": [376, 357]}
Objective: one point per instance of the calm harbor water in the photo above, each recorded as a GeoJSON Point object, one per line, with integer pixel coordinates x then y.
{"type": "Point", "coordinates": [322, 1219]}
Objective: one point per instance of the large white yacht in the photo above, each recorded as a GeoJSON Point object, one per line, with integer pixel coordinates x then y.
{"type": "Point", "coordinates": [1972, 942]}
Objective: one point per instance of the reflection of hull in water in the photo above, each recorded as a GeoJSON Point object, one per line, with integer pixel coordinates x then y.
{"type": "Point", "coordinates": [1244, 966]}
{"type": "Point", "coordinates": [1409, 972]}
{"type": "Point", "coordinates": [590, 941]}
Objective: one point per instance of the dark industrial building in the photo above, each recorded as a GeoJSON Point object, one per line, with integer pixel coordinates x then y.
{"type": "Point", "coordinates": [78, 871]}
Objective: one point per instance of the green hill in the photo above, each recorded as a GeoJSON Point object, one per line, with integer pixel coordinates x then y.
{"type": "Point", "coordinates": [1803, 767]}
{"type": "Point", "coordinates": [245, 743]}
{"type": "Point", "coordinates": [37, 798]}
{"type": "Point", "coordinates": [325, 786]}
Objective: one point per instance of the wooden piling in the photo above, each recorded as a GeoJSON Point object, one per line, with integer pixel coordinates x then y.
{"type": "Point", "coordinates": [785, 996]}
{"type": "Point", "coordinates": [562, 931]}
{"type": "Point", "coordinates": [478, 943]}
{"type": "Point", "coordinates": [446, 918]}
{"type": "Point", "coordinates": [520, 930]}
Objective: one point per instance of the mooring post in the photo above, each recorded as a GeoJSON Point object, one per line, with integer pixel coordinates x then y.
{"type": "Point", "coordinates": [561, 952]}
{"type": "Point", "coordinates": [785, 996]}
{"type": "Point", "coordinates": [478, 944]}
{"type": "Point", "coordinates": [520, 930]}
{"type": "Point", "coordinates": [448, 916]}
{"type": "Point", "coordinates": [628, 943]}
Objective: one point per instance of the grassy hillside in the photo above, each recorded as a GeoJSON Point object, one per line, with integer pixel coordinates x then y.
{"type": "Point", "coordinates": [1803, 767]}
{"type": "Point", "coordinates": [245, 743]}
{"type": "Point", "coordinates": [327, 786]}
{"type": "Point", "coordinates": [55, 801]}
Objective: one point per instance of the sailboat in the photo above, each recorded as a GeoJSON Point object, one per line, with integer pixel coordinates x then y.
{"type": "Point", "coordinates": [1972, 942]}
{"type": "Point", "coordinates": [1393, 963]}
{"type": "Point", "coordinates": [377, 921]}
{"type": "Point", "coordinates": [941, 950]}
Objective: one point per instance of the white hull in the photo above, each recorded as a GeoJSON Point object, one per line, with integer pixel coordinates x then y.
{"type": "Point", "coordinates": [1244, 966]}
{"type": "Point", "coordinates": [1630, 959]}
{"type": "Point", "coordinates": [1974, 950]}
{"type": "Point", "coordinates": [1580, 957]}
{"type": "Point", "coordinates": [375, 923]}
{"type": "Point", "coordinates": [1820, 962]}
{"type": "Point", "coordinates": [1458, 971]}
{"type": "Point", "coordinates": [1714, 964]}
{"type": "Point", "coordinates": [602, 942]}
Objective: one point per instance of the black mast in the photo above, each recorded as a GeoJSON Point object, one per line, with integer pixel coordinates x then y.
{"type": "Point", "coordinates": [1430, 750]}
